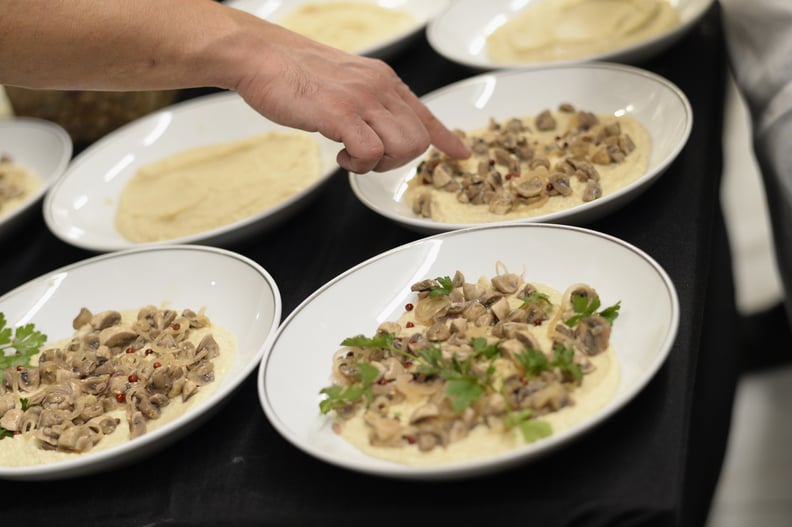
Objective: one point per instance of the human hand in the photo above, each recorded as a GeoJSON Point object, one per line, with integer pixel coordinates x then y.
{"type": "Point", "coordinates": [357, 101]}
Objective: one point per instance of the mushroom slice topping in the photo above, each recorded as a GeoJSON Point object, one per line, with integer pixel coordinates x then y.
{"type": "Point", "coordinates": [105, 319]}
{"type": "Point", "coordinates": [593, 334]}
{"type": "Point", "coordinates": [506, 283]}
{"type": "Point", "coordinates": [424, 412]}
{"type": "Point", "coordinates": [592, 191]}
{"type": "Point", "coordinates": [12, 419]}
{"type": "Point", "coordinates": [137, 425]}
{"type": "Point", "coordinates": [116, 336]}
{"type": "Point", "coordinates": [83, 318]}
{"type": "Point", "coordinates": [209, 344]}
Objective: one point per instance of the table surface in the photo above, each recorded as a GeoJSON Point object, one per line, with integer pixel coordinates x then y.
{"type": "Point", "coordinates": [654, 463]}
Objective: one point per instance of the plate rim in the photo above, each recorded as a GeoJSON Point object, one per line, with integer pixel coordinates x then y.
{"type": "Point", "coordinates": [169, 432]}
{"type": "Point", "coordinates": [647, 179]}
{"type": "Point", "coordinates": [496, 462]}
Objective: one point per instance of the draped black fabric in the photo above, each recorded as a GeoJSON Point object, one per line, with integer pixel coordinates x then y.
{"type": "Point", "coordinates": [655, 463]}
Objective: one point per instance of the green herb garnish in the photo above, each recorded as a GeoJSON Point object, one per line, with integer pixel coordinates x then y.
{"type": "Point", "coordinates": [563, 360]}
{"type": "Point", "coordinates": [536, 298]}
{"type": "Point", "coordinates": [586, 307]}
{"type": "Point", "coordinates": [533, 362]}
{"type": "Point", "coordinates": [25, 340]}
{"type": "Point", "coordinates": [444, 287]}
{"type": "Point", "coordinates": [463, 386]}
{"type": "Point", "coordinates": [339, 396]}
{"type": "Point", "coordinates": [532, 429]}
{"type": "Point", "coordinates": [383, 340]}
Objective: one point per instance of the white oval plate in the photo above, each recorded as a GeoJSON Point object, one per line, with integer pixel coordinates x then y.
{"type": "Point", "coordinates": [298, 364]}
{"type": "Point", "coordinates": [422, 10]}
{"type": "Point", "coordinates": [460, 33]}
{"type": "Point", "coordinates": [237, 293]}
{"type": "Point", "coordinates": [602, 88]}
{"type": "Point", "coordinates": [80, 209]}
{"type": "Point", "coordinates": [42, 147]}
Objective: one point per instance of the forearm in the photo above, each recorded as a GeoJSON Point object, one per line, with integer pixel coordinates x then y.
{"type": "Point", "coordinates": [132, 45]}
{"type": "Point", "coordinates": [123, 44]}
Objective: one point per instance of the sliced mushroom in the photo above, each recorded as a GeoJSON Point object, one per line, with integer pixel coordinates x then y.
{"type": "Point", "coordinates": [105, 319]}
{"type": "Point", "coordinates": [83, 318]}
{"type": "Point", "coordinates": [592, 191]}
{"type": "Point", "coordinates": [210, 345]}
{"type": "Point", "coordinates": [424, 412]}
{"type": "Point", "coordinates": [137, 425]}
{"type": "Point", "coordinates": [12, 419]}
{"type": "Point", "coordinates": [116, 336]}
{"type": "Point", "coordinates": [593, 334]}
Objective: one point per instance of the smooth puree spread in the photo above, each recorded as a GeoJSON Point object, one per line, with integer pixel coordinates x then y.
{"type": "Point", "coordinates": [119, 376]}
{"type": "Point", "coordinates": [524, 167]}
{"type": "Point", "coordinates": [350, 26]}
{"type": "Point", "coordinates": [555, 30]}
{"type": "Point", "coordinates": [474, 368]}
{"type": "Point", "coordinates": [17, 184]}
{"type": "Point", "coordinates": [208, 187]}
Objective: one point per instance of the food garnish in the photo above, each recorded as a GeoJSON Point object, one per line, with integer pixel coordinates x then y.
{"type": "Point", "coordinates": [26, 341]}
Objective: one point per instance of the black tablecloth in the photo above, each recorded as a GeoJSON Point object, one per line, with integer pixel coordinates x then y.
{"type": "Point", "coordinates": [654, 463]}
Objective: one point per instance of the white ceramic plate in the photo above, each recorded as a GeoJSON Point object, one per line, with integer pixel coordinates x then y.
{"type": "Point", "coordinates": [423, 11]}
{"type": "Point", "coordinates": [460, 33]}
{"type": "Point", "coordinates": [80, 209]}
{"type": "Point", "coordinates": [298, 364]}
{"type": "Point", "coordinates": [237, 293]}
{"type": "Point", "coordinates": [40, 146]}
{"type": "Point", "coordinates": [601, 88]}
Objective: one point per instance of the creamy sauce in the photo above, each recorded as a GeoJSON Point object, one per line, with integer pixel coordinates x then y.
{"type": "Point", "coordinates": [553, 30]}
{"type": "Point", "coordinates": [596, 391]}
{"type": "Point", "coordinates": [17, 184]}
{"type": "Point", "coordinates": [208, 187]}
{"type": "Point", "coordinates": [349, 26]}
{"type": "Point", "coordinates": [446, 208]}
{"type": "Point", "coordinates": [23, 450]}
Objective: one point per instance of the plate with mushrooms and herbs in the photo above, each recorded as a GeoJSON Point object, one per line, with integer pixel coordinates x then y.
{"type": "Point", "coordinates": [538, 33]}
{"type": "Point", "coordinates": [565, 145]}
{"type": "Point", "coordinates": [447, 362]}
{"type": "Point", "coordinates": [107, 360]}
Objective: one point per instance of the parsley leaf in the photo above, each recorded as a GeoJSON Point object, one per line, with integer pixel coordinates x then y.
{"type": "Point", "coordinates": [339, 396]}
{"type": "Point", "coordinates": [444, 287]}
{"type": "Point", "coordinates": [481, 348]}
{"type": "Point", "coordinates": [384, 341]}
{"type": "Point", "coordinates": [536, 298]}
{"type": "Point", "coordinates": [531, 429]}
{"type": "Point", "coordinates": [5, 433]}
{"type": "Point", "coordinates": [586, 307]}
{"type": "Point", "coordinates": [532, 361]}
{"type": "Point", "coordinates": [463, 392]}
{"type": "Point", "coordinates": [432, 361]}
{"type": "Point", "coordinates": [563, 360]}
{"type": "Point", "coordinates": [26, 342]}
{"type": "Point", "coordinates": [611, 313]}
{"type": "Point", "coordinates": [463, 386]}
